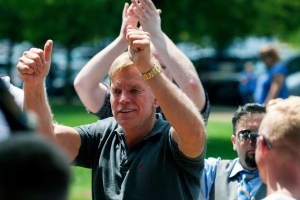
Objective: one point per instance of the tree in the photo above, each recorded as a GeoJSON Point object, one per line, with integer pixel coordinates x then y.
{"type": "Point", "coordinates": [219, 22]}
{"type": "Point", "coordinates": [215, 23]}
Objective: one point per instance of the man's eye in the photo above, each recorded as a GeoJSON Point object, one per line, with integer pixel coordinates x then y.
{"type": "Point", "coordinates": [245, 132]}
{"type": "Point", "coordinates": [134, 91]}
{"type": "Point", "coordinates": [116, 92]}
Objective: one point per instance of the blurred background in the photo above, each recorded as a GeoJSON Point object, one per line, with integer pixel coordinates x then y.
{"type": "Point", "coordinates": [218, 36]}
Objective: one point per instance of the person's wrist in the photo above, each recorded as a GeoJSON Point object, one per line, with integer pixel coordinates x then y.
{"type": "Point", "coordinates": [156, 33]}
{"type": "Point", "coordinates": [152, 72]}
{"type": "Point", "coordinates": [121, 40]}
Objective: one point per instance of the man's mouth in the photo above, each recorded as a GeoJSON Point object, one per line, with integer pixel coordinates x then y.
{"type": "Point", "coordinates": [251, 152]}
{"type": "Point", "coordinates": [126, 111]}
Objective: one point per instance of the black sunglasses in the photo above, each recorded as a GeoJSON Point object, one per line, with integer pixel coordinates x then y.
{"type": "Point", "coordinates": [267, 141]}
{"type": "Point", "coordinates": [247, 135]}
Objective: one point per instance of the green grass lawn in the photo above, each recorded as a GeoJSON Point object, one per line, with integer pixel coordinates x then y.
{"type": "Point", "coordinates": [219, 144]}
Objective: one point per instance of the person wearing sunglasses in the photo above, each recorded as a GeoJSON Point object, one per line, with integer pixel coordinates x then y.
{"type": "Point", "coordinates": [237, 178]}
{"type": "Point", "coordinates": [278, 150]}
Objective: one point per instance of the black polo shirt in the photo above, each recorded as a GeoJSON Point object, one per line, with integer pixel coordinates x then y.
{"type": "Point", "coordinates": [152, 169]}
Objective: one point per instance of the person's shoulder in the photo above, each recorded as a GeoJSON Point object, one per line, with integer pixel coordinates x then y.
{"type": "Point", "coordinates": [99, 125]}
{"type": "Point", "coordinates": [278, 68]}
{"type": "Point", "coordinates": [227, 161]}
{"type": "Point", "coordinates": [280, 65]}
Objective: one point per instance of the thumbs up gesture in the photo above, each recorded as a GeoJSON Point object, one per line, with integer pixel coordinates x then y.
{"type": "Point", "coordinates": [34, 65]}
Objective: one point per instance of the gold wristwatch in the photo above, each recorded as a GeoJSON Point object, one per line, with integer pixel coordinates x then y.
{"type": "Point", "coordinates": [152, 72]}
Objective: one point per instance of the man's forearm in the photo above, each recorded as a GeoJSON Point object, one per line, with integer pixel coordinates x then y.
{"type": "Point", "coordinates": [181, 68]}
{"type": "Point", "coordinates": [97, 68]}
{"type": "Point", "coordinates": [181, 113]}
{"type": "Point", "coordinates": [35, 100]}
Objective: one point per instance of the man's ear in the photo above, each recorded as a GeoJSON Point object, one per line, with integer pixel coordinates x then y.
{"type": "Point", "coordinates": [233, 140]}
{"type": "Point", "coordinates": [262, 144]}
{"type": "Point", "coordinates": [155, 103]}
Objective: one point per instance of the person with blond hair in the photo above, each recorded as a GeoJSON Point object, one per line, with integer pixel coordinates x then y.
{"type": "Point", "coordinates": [278, 151]}
{"type": "Point", "coordinates": [135, 154]}
{"type": "Point", "coordinates": [89, 82]}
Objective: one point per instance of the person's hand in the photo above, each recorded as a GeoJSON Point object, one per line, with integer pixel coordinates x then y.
{"type": "Point", "coordinates": [148, 16]}
{"type": "Point", "coordinates": [128, 19]}
{"type": "Point", "coordinates": [34, 65]}
{"type": "Point", "coordinates": [139, 48]}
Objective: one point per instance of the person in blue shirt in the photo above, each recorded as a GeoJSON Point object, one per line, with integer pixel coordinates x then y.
{"type": "Point", "coordinates": [247, 83]}
{"type": "Point", "coordinates": [272, 84]}
{"type": "Point", "coordinates": [222, 179]}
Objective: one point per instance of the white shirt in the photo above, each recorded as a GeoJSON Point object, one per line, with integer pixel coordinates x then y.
{"type": "Point", "coordinates": [278, 196]}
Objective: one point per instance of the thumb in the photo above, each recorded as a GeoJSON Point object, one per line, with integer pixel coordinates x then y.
{"type": "Point", "coordinates": [48, 50]}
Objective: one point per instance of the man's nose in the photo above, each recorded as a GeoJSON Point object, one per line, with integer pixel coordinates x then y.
{"type": "Point", "coordinates": [124, 98]}
{"type": "Point", "coordinates": [253, 142]}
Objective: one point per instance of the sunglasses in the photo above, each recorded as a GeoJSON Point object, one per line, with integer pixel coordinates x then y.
{"type": "Point", "coordinates": [268, 143]}
{"type": "Point", "coordinates": [247, 135]}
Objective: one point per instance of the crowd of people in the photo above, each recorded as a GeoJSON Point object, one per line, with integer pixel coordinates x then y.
{"type": "Point", "coordinates": [150, 141]}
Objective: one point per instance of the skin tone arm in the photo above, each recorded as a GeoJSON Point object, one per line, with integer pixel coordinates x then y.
{"type": "Point", "coordinates": [178, 64]}
{"type": "Point", "coordinates": [87, 83]}
{"type": "Point", "coordinates": [188, 126]}
{"type": "Point", "coordinates": [276, 86]}
{"type": "Point", "coordinates": [34, 67]}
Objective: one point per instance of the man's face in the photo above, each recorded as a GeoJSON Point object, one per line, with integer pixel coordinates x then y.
{"type": "Point", "coordinates": [246, 149]}
{"type": "Point", "coordinates": [133, 103]}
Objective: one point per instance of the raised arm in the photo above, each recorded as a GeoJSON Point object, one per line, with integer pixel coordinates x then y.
{"type": "Point", "coordinates": [88, 82]}
{"type": "Point", "coordinates": [34, 67]}
{"type": "Point", "coordinates": [188, 126]}
{"type": "Point", "coordinates": [177, 63]}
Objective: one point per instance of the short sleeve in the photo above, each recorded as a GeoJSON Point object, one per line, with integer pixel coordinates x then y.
{"type": "Point", "coordinates": [279, 69]}
{"type": "Point", "coordinates": [193, 166]}
{"type": "Point", "coordinates": [105, 111]}
{"type": "Point", "coordinates": [90, 136]}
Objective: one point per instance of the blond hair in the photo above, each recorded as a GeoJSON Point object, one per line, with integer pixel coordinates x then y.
{"type": "Point", "coordinates": [121, 62]}
{"type": "Point", "coordinates": [283, 121]}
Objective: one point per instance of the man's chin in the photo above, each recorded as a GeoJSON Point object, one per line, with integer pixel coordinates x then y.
{"type": "Point", "coordinates": [251, 154]}
{"type": "Point", "coordinates": [250, 160]}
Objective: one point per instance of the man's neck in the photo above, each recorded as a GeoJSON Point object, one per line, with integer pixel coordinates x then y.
{"type": "Point", "coordinates": [137, 134]}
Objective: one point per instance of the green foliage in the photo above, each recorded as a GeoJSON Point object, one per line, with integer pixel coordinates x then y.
{"type": "Point", "coordinates": [74, 21]}
{"type": "Point", "coordinates": [222, 21]}
{"type": "Point", "coordinates": [81, 184]}
{"type": "Point", "coordinates": [219, 140]}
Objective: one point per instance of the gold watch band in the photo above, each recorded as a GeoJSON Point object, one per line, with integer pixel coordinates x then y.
{"type": "Point", "coordinates": [152, 72]}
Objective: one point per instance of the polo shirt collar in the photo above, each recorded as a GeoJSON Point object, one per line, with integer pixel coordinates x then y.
{"type": "Point", "coordinates": [156, 130]}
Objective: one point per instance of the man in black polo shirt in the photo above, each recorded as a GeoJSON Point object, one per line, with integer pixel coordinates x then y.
{"type": "Point", "coordinates": [136, 154]}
